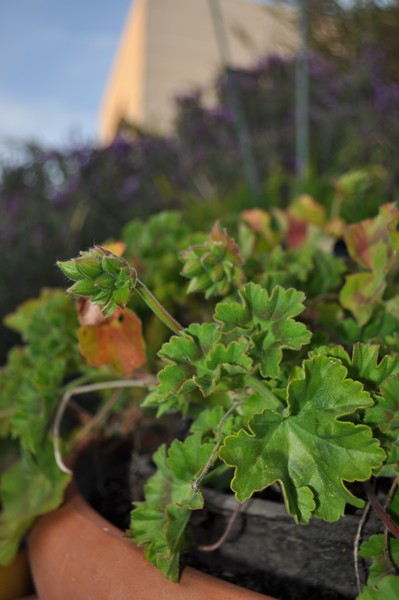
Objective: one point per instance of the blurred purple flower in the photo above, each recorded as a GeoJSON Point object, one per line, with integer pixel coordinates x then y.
{"type": "Point", "coordinates": [13, 207]}
{"type": "Point", "coordinates": [220, 113]}
{"type": "Point", "coordinates": [120, 145]}
{"type": "Point", "coordinates": [129, 188]}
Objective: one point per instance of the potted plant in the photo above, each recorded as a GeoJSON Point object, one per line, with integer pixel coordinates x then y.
{"type": "Point", "coordinates": [289, 383]}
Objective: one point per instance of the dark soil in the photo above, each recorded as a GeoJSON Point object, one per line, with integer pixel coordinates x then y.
{"type": "Point", "coordinates": [105, 477]}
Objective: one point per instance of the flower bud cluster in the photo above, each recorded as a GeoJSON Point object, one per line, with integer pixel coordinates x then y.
{"type": "Point", "coordinates": [106, 279]}
{"type": "Point", "coordinates": [214, 267]}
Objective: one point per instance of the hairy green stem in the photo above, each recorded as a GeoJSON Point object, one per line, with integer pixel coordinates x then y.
{"type": "Point", "coordinates": [157, 308]}
{"type": "Point", "coordinates": [195, 485]}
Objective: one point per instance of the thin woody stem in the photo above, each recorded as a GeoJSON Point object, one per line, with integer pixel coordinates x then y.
{"type": "Point", "coordinates": [100, 416]}
{"type": "Point", "coordinates": [77, 391]}
{"type": "Point", "coordinates": [357, 544]}
{"type": "Point", "coordinates": [195, 485]}
{"type": "Point", "coordinates": [157, 308]}
{"type": "Point", "coordinates": [387, 553]}
{"type": "Point", "coordinates": [227, 531]}
{"type": "Point", "coordinates": [385, 518]}
{"type": "Point", "coordinates": [262, 389]}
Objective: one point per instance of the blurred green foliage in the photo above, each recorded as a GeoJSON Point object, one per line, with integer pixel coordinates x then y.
{"type": "Point", "coordinates": [53, 203]}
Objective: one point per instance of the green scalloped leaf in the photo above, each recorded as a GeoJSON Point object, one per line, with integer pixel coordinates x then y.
{"type": "Point", "coordinates": [33, 383]}
{"type": "Point", "coordinates": [208, 421]}
{"type": "Point", "coordinates": [365, 239]}
{"type": "Point", "coordinates": [37, 396]}
{"type": "Point", "coordinates": [268, 321]}
{"type": "Point", "coordinates": [192, 345]}
{"type": "Point", "coordinates": [211, 420]}
{"type": "Point", "coordinates": [365, 364]}
{"type": "Point", "coordinates": [310, 450]}
{"type": "Point", "coordinates": [31, 487]}
{"type": "Point", "coordinates": [230, 363]}
{"type": "Point", "coordinates": [373, 244]}
{"type": "Point", "coordinates": [386, 589]}
{"type": "Point", "coordinates": [362, 291]}
{"type": "Point", "coordinates": [10, 384]}
{"type": "Point", "coordinates": [159, 523]}
{"type": "Point", "coordinates": [380, 378]}
{"type": "Point", "coordinates": [373, 548]}
{"type": "Point", "coordinates": [385, 413]}
{"type": "Point", "coordinates": [381, 328]}
{"type": "Point", "coordinates": [197, 362]}
{"type": "Point", "coordinates": [48, 324]}
{"type": "Point", "coordinates": [369, 367]}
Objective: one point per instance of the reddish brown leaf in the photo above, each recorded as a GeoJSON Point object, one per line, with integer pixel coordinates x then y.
{"type": "Point", "coordinates": [306, 209]}
{"type": "Point", "coordinates": [116, 342]}
{"type": "Point", "coordinates": [296, 233]}
{"type": "Point", "coordinates": [258, 219]}
{"type": "Point", "coordinates": [363, 239]}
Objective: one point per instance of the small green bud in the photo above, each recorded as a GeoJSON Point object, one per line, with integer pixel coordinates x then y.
{"type": "Point", "coordinates": [217, 273]}
{"type": "Point", "coordinates": [105, 278]}
{"type": "Point", "coordinates": [112, 264]}
{"type": "Point", "coordinates": [121, 296]}
{"type": "Point", "coordinates": [88, 266]}
{"type": "Point", "coordinates": [214, 266]}
{"type": "Point", "coordinates": [101, 297]}
{"type": "Point", "coordinates": [198, 284]}
{"type": "Point", "coordinates": [209, 259]}
{"type": "Point", "coordinates": [69, 268]}
{"type": "Point", "coordinates": [192, 268]}
{"type": "Point", "coordinates": [84, 287]}
{"type": "Point", "coordinates": [124, 283]}
{"type": "Point", "coordinates": [105, 281]}
{"type": "Point", "coordinates": [109, 308]}
{"type": "Point", "coordinates": [122, 278]}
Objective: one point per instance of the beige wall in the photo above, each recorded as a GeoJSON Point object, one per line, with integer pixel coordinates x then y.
{"type": "Point", "coordinates": [169, 47]}
{"type": "Point", "coordinates": [125, 92]}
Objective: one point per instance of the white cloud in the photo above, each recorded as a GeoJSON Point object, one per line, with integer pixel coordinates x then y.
{"type": "Point", "coordinates": [49, 123]}
{"type": "Point", "coordinates": [58, 59]}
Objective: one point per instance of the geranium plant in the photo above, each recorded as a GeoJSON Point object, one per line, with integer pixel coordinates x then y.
{"type": "Point", "coordinates": [292, 378]}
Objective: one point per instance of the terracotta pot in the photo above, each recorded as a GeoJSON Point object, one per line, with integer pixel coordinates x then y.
{"type": "Point", "coordinates": [15, 579]}
{"type": "Point", "coordinates": [75, 553]}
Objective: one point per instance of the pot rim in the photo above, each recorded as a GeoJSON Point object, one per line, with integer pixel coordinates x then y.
{"type": "Point", "coordinates": [82, 523]}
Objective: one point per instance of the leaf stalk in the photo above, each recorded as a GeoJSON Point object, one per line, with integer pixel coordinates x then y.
{"type": "Point", "coordinates": [157, 308]}
{"type": "Point", "coordinates": [77, 391]}
{"type": "Point", "coordinates": [385, 518]}
{"type": "Point", "coordinates": [212, 458]}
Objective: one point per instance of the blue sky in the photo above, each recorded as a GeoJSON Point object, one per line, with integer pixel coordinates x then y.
{"type": "Point", "coordinates": [55, 59]}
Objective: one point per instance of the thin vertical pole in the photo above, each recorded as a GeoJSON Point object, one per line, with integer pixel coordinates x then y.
{"type": "Point", "coordinates": [302, 93]}
{"type": "Point", "coordinates": [244, 140]}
